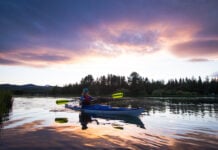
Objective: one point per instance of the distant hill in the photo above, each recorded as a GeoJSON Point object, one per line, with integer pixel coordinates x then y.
{"type": "Point", "coordinates": [27, 89]}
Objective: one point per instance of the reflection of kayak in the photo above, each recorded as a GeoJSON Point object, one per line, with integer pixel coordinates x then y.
{"type": "Point", "coordinates": [124, 118]}
{"type": "Point", "coordinates": [104, 109]}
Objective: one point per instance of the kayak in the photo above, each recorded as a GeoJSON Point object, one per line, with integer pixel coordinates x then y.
{"type": "Point", "coordinates": [107, 110]}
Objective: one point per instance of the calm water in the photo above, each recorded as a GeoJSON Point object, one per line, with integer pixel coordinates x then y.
{"type": "Point", "coordinates": [38, 123]}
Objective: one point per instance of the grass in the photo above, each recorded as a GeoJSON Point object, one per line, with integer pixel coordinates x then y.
{"type": "Point", "coordinates": [6, 102]}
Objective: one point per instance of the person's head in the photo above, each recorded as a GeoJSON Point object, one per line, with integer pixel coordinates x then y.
{"type": "Point", "coordinates": [85, 91]}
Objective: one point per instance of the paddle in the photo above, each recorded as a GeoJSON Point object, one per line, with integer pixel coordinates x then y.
{"type": "Point", "coordinates": [117, 95]}
{"type": "Point", "coordinates": [64, 101]}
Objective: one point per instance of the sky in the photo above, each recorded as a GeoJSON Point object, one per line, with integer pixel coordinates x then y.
{"type": "Point", "coordinates": [57, 42]}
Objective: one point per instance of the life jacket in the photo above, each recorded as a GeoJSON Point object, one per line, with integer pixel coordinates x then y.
{"type": "Point", "coordinates": [86, 99]}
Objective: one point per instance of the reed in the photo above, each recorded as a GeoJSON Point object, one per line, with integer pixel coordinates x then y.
{"type": "Point", "coordinates": [6, 102]}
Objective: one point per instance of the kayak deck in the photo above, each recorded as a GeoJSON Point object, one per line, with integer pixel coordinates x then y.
{"type": "Point", "coordinates": [104, 109]}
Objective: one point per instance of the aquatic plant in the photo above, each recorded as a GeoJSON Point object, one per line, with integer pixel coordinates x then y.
{"type": "Point", "coordinates": [6, 102]}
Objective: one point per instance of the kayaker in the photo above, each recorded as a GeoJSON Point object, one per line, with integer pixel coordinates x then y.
{"type": "Point", "coordinates": [85, 98]}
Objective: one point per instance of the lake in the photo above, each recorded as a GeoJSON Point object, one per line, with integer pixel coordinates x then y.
{"type": "Point", "coordinates": [38, 123]}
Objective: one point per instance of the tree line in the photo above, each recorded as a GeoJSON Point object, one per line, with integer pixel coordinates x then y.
{"type": "Point", "coordinates": [136, 85]}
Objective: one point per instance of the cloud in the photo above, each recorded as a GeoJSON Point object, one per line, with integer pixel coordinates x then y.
{"type": "Point", "coordinates": [197, 49]}
{"type": "Point", "coordinates": [7, 61]}
{"type": "Point", "coordinates": [202, 44]}
{"type": "Point", "coordinates": [124, 37]}
{"type": "Point", "coordinates": [37, 58]}
{"type": "Point", "coordinates": [186, 28]}
{"type": "Point", "coordinates": [198, 60]}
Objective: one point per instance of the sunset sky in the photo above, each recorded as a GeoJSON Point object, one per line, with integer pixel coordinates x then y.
{"type": "Point", "coordinates": [58, 42]}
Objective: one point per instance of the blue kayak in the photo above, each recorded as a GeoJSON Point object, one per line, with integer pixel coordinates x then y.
{"type": "Point", "coordinates": [105, 109]}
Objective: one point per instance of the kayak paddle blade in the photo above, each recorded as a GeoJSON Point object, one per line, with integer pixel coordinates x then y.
{"type": "Point", "coordinates": [61, 120]}
{"type": "Point", "coordinates": [117, 95]}
{"type": "Point", "coordinates": [62, 101]}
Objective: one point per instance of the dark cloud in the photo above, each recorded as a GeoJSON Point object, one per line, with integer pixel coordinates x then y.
{"type": "Point", "coordinates": [136, 38]}
{"type": "Point", "coordinates": [5, 61]}
{"type": "Point", "coordinates": [198, 60]}
{"type": "Point", "coordinates": [42, 57]}
{"type": "Point", "coordinates": [199, 48]}
{"type": "Point", "coordinates": [31, 24]}
{"type": "Point", "coordinates": [34, 58]}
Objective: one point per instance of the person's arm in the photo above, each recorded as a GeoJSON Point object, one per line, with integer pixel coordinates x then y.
{"type": "Point", "coordinates": [81, 98]}
{"type": "Point", "coordinates": [90, 98]}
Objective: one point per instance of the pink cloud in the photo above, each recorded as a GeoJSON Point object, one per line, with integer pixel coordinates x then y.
{"type": "Point", "coordinates": [74, 30]}
{"type": "Point", "coordinates": [39, 57]}
{"type": "Point", "coordinates": [106, 40]}
{"type": "Point", "coordinates": [138, 37]}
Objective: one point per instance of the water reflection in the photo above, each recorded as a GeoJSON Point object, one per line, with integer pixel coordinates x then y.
{"type": "Point", "coordinates": [61, 120]}
{"type": "Point", "coordinates": [126, 119]}
{"type": "Point", "coordinates": [84, 119]}
{"type": "Point", "coordinates": [169, 125]}
{"type": "Point", "coordinates": [190, 106]}
{"type": "Point", "coordinates": [199, 110]}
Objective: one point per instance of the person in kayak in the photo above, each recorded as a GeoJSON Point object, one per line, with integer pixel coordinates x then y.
{"type": "Point", "coordinates": [85, 98]}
